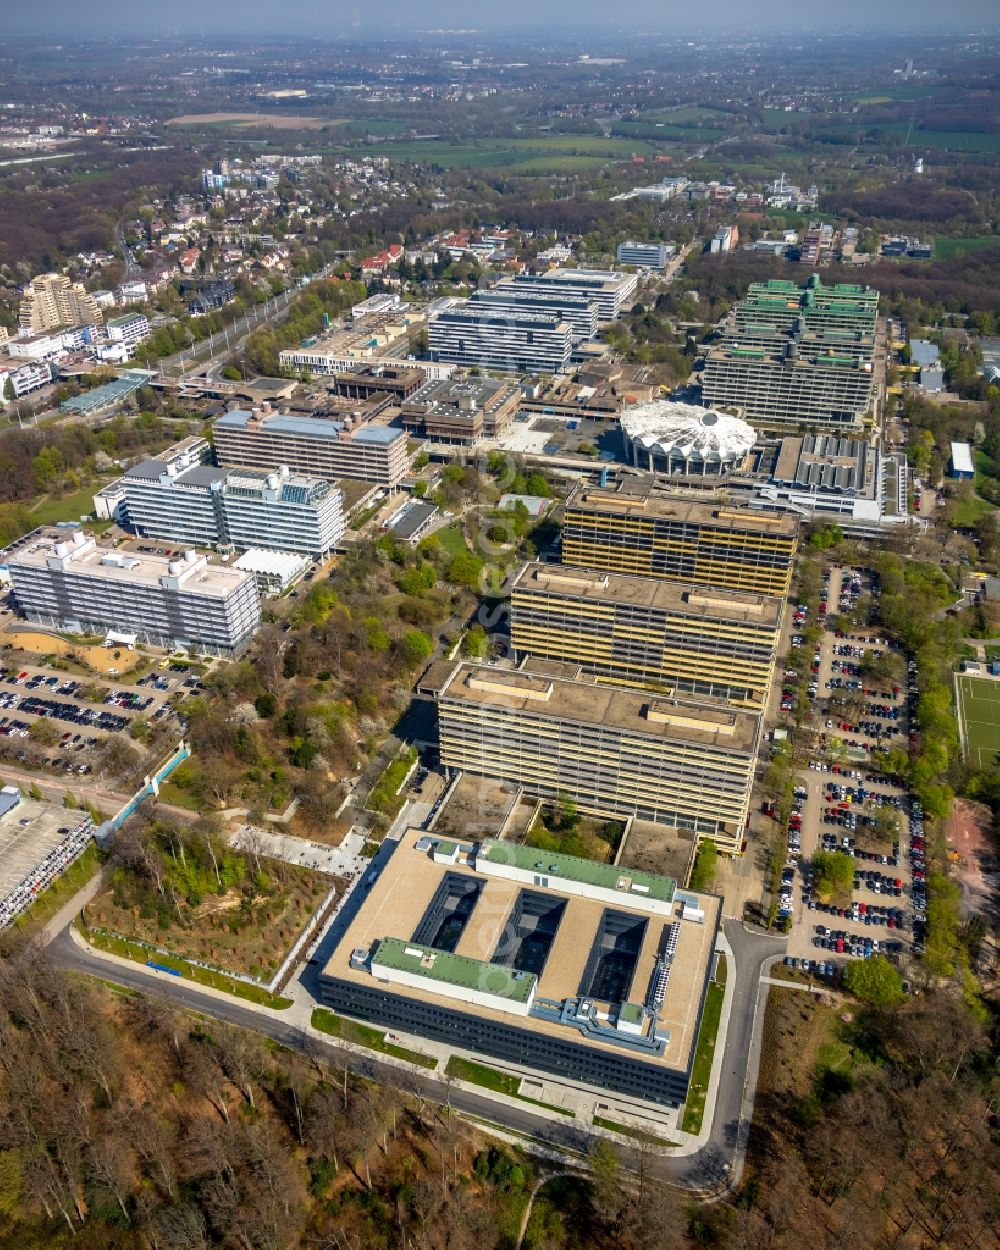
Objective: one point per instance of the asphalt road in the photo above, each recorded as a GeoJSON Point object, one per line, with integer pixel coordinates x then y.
{"type": "Point", "coordinates": [718, 1162]}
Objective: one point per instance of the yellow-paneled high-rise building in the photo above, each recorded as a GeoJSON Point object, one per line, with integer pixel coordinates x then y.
{"type": "Point", "coordinates": [635, 530]}
{"type": "Point", "coordinates": [637, 631]}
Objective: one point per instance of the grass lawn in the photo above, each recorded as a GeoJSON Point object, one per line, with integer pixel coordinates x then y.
{"type": "Point", "coordinates": [61, 890]}
{"type": "Point", "coordinates": [203, 976]}
{"type": "Point", "coordinates": [500, 1082]}
{"type": "Point", "coordinates": [945, 249]}
{"type": "Point", "coordinates": [384, 797]}
{"type": "Point", "coordinates": [701, 1072]}
{"type": "Point", "coordinates": [363, 1035]}
{"type": "Point", "coordinates": [53, 508]}
{"type": "Point", "coordinates": [978, 705]}
{"type": "Point", "coordinates": [627, 1131]}
{"type": "Point", "coordinates": [968, 511]}
{"type": "Point", "coordinates": [450, 537]}
{"type": "Point", "coordinates": [538, 154]}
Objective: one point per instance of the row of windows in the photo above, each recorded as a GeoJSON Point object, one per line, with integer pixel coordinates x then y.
{"type": "Point", "coordinates": [605, 1068]}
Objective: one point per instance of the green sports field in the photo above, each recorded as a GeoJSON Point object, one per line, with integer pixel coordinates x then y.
{"type": "Point", "coordinates": [979, 718]}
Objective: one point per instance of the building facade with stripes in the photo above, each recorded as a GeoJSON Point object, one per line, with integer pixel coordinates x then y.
{"type": "Point", "coordinates": [686, 763]}
{"type": "Point", "coordinates": [637, 631]}
{"type": "Point", "coordinates": [634, 530]}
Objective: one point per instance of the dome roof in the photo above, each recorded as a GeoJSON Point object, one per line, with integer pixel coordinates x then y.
{"type": "Point", "coordinates": [668, 428]}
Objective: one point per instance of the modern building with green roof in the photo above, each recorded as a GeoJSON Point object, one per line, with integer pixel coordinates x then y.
{"type": "Point", "coordinates": [552, 963]}
{"type": "Point", "coordinates": [798, 357]}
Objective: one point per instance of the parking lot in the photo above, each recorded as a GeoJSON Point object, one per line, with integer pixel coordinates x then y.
{"type": "Point", "coordinates": [35, 693]}
{"type": "Point", "coordinates": [841, 806]}
{"type": "Point", "coordinates": [38, 841]}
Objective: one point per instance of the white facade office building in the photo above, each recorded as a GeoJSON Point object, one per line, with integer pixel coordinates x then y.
{"type": "Point", "coordinates": [183, 603]}
{"type": "Point", "coordinates": [510, 341]}
{"type": "Point", "coordinates": [581, 313]}
{"type": "Point", "coordinates": [612, 292]}
{"type": "Point", "coordinates": [244, 508]}
{"type": "Point", "coordinates": [645, 255]}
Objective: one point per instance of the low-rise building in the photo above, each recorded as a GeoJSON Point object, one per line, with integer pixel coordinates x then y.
{"type": "Point", "coordinates": [276, 572]}
{"type": "Point", "coordinates": [960, 464]}
{"type": "Point", "coordinates": [828, 477]}
{"type": "Point", "coordinates": [645, 255]}
{"type": "Point", "coordinates": [183, 603]}
{"type": "Point", "coordinates": [460, 411]}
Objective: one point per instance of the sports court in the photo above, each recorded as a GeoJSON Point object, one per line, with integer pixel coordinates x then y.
{"type": "Point", "coordinates": [978, 701]}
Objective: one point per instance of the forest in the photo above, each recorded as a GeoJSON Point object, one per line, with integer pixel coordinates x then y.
{"type": "Point", "coordinates": [126, 1124]}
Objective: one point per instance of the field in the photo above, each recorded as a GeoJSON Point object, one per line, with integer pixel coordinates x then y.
{"type": "Point", "coordinates": [52, 508]}
{"type": "Point", "coordinates": [945, 249]}
{"type": "Point", "coordinates": [276, 121]}
{"type": "Point", "coordinates": [978, 701]}
{"type": "Point", "coordinates": [540, 155]}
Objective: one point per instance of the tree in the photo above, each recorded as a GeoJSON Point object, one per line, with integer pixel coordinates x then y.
{"type": "Point", "coordinates": [465, 570]}
{"type": "Point", "coordinates": [834, 874]}
{"type": "Point", "coordinates": [476, 643]}
{"type": "Point", "coordinates": [874, 981]}
{"type": "Point", "coordinates": [415, 647]}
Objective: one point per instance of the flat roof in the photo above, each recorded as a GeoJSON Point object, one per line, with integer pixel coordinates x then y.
{"type": "Point", "coordinates": [310, 427]}
{"type": "Point", "coordinates": [457, 970]}
{"type": "Point", "coordinates": [23, 847]}
{"type": "Point", "coordinates": [129, 568]}
{"type": "Point", "coordinates": [637, 500]}
{"type": "Point", "coordinates": [403, 890]}
{"type": "Point", "coordinates": [275, 563]}
{"type": "Point", "coordinates": [556, 691]}
{"type": "Point", "coordinates": [414, 517]}
{"type": "Point", "coordinates": [624, 881]}
{"type": "Point", "coordinates": [961, 458]}
{"type": "Point", "coordinates": [651, 592]}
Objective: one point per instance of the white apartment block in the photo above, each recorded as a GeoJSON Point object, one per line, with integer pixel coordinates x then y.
{"type": "Point", "coordinates": [183, 603]}
{"type": "Point", "coordinates": [612, 292]}
{"type": "Point", "coordinates": [133, 291]}
{"type": "Point", "coordinates": [645, 255]}
{"type": "Point", "coordinates": [243, 508]}
{"type": "Point", "coordinates": [27, 378]}
{"type": "Point", "coordinates": [580, 312]}
{"type": "Point", "coordinates": [509, 341]}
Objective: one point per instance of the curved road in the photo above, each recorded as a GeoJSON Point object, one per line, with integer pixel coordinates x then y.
{"type": "Point", "coordinates": [717, 1163]}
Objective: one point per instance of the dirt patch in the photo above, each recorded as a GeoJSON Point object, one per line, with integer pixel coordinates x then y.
{"type": "Point", "coordinates": [977, 870]}
{"type": "Point", "coordinates": [274, 121]}
{"type": "Point", "coordinates": [100, 659]}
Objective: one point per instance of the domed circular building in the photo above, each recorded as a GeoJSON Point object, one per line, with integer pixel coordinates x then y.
{"type": "Point", "coordinates": [669, 437]}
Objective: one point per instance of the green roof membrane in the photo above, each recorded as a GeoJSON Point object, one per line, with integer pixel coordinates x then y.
{"type": "Point", "coordinates": [446, 968]}
{"type": "Point", "coordinates": [627, 881]}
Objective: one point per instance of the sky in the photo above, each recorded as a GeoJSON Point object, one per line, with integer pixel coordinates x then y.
{"type": "Point", "coordinates": [55, 18]}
